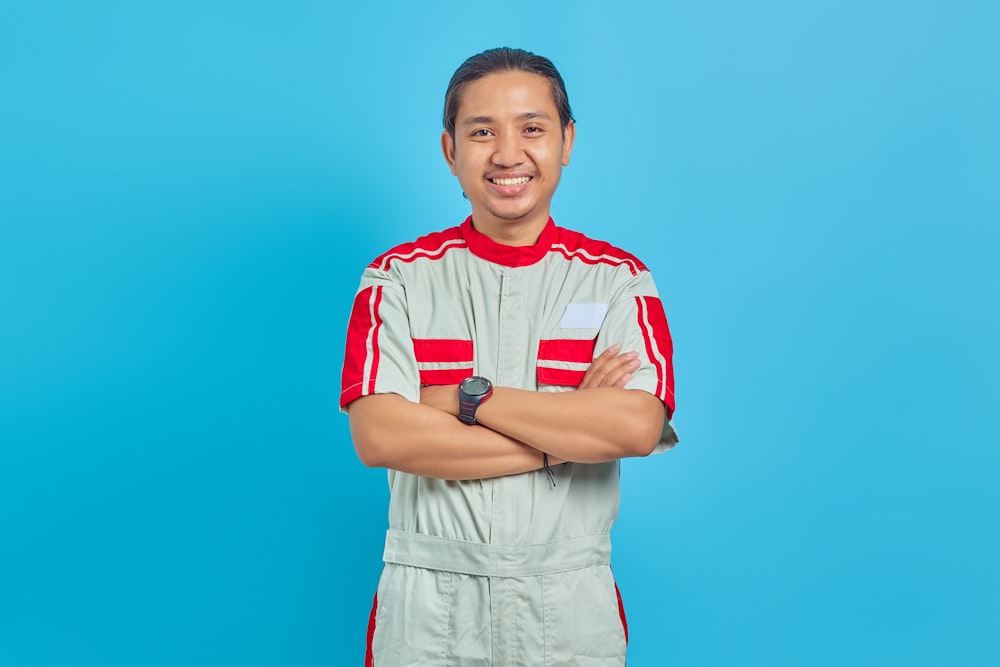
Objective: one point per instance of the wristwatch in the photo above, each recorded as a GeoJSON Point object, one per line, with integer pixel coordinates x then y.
{"type": "Point", "coordinates": [472, 392]}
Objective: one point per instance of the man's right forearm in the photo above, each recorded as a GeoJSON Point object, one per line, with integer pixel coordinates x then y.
{"type": "Point", "coordinates": [392, 432]}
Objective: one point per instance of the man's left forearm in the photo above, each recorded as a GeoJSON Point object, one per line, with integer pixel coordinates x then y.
{"type": "Point", "coordinates": [586, 426]}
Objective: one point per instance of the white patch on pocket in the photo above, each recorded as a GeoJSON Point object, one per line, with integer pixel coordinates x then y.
{"type": "Point", "coordinates": [584, 316]}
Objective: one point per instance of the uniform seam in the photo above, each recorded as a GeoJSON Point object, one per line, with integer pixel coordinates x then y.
{"type": "Point", "coordinates": [449, 613]}
{"type": "Point", "coordinates": [545, 623]}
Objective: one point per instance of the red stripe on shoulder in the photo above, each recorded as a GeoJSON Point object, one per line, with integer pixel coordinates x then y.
{"type": "Point", "coordinates": [574, 245]}
{"type": "Point", "coordinates": [377, 318]}
{"type": "Point", "coordinates": [361, 356]}
{"type": "Point", "coordinates": [431, 246]}
{"type": "Point", "coordinates": [659, 346]}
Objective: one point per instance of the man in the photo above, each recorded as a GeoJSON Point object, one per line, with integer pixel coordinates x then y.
{"type": "Point", "coordinates": [471, 375]}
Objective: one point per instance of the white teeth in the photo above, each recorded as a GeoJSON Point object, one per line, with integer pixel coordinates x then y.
{"type": "Point", "coordinates": [511, 181]}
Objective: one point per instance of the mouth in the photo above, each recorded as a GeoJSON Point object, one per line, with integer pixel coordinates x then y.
{"type": "Point", "coordinates": [508, 182]}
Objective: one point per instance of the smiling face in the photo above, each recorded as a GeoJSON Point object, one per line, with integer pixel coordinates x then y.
{"type": "Point", "coordinates": [508, 153]}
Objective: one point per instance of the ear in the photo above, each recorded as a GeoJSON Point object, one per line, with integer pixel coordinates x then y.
{"type": "Point", "coordinates": [448, 148]}
{"type": "Point", "coordinates": [569, 134]}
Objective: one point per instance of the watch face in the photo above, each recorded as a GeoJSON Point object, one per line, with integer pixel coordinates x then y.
{"type": "Point", "coordinates": [475, 386]}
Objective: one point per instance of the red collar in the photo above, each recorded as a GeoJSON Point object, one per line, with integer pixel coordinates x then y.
{"type": "Point", "coordinates": [513, 256]}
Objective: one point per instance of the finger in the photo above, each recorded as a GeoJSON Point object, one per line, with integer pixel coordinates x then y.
{"type": "Point", "coordinates": [603, 365]}
{"type": "Point", "coordinates": [609, 372]}
{"type": "Point", "coordinates": [595, 367]}
{"type": "Point", "coordinates": [599, 372]}
{"type": "Point", "coordinates": [608, 354]}
{"type": "Point", "coordinates": [620, 372]}
{"type": "Point", "coordinates": [626, 377]}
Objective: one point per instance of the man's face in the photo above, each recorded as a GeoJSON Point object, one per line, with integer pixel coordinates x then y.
{"type": "Point", "coordinates": [508, 153]}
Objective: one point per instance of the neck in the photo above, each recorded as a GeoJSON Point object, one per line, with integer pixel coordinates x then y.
{"type": "Point", "coordinates": [509, 232]}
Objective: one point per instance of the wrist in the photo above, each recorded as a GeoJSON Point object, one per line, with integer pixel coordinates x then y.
{"type": "Point", "coordinates": [440, 397]}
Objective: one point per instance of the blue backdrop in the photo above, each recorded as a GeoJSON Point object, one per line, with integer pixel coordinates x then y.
{"type": "Point", "coordinates": [190, 190]}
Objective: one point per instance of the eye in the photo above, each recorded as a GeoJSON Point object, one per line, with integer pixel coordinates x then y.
{"type": "Point", "coordinates": [480, 133]}
{"type": "Point", "coordinates": [534, 129]}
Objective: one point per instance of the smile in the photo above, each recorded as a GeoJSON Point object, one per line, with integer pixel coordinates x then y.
{"type": "Point", "coordinates": [510, 181]}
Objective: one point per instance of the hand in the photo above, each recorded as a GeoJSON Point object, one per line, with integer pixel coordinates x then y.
{"type": "Point", "coordinates": [443, 397]}
{"type": "Point", "coordinates": [610, 369]}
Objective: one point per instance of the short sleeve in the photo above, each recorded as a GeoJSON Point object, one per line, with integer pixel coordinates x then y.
{"type": "Point", "coordinates": [637, 322]}
{"type": "Point", "coordinates": [379, 353]}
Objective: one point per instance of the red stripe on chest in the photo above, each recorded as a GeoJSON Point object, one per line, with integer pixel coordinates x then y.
{"type": "Point", "coordinates": [429, 350]}
{"type": "Point", "coordinates": [567, 349]}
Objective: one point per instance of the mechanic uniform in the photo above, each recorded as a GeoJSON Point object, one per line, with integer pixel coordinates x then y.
{"type": "Point", "coordinates": [511, 570]}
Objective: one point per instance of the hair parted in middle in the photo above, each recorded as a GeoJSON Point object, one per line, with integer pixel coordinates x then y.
{"type": "Point", "coordinates": [504, 59]}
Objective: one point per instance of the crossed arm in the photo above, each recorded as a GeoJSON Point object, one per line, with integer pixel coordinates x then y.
{"type": "Point", "coordinates": [600, 421]}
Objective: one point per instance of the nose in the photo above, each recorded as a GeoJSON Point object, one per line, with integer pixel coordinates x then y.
{"type": "Point", "coordinates": [509, 151]}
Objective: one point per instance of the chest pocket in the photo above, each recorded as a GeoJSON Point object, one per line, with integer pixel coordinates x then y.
{"type": "Point", "coordinates": [443, 360]}
{"type": "Point", "coordinates": [564, 361]}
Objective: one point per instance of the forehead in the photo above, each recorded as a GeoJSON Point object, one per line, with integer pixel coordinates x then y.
{"type": "Point", "coordinates": [507, 94]}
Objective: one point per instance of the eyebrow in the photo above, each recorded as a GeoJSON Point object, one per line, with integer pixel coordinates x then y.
{"type": "Point", "coordinates": [528, 115]}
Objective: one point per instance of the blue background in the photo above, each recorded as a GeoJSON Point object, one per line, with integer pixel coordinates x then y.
{"type": "Point", "coordinates": [190, 190]}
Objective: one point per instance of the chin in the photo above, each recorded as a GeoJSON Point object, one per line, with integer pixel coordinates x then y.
{"type": "Point", "coordinates": [509, 215]}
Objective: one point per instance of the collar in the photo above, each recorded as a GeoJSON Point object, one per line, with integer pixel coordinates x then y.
{"type": "Point", "coordinates": [486, 248]}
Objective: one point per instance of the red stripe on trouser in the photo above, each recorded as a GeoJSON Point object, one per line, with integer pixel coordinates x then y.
{"type": "Point", "coordinates": [621, 612]}
{"type": "Point", "coordinates": [369, 656]}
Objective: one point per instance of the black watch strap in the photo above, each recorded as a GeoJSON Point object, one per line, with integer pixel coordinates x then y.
{"type": "Point", "coordinates": [472, 392]}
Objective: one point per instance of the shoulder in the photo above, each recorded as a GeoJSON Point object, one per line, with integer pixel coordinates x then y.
{"type": "Point", "coordinates": [430, 246]}
{"type": "Point", "coordinates": [574, 245]}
